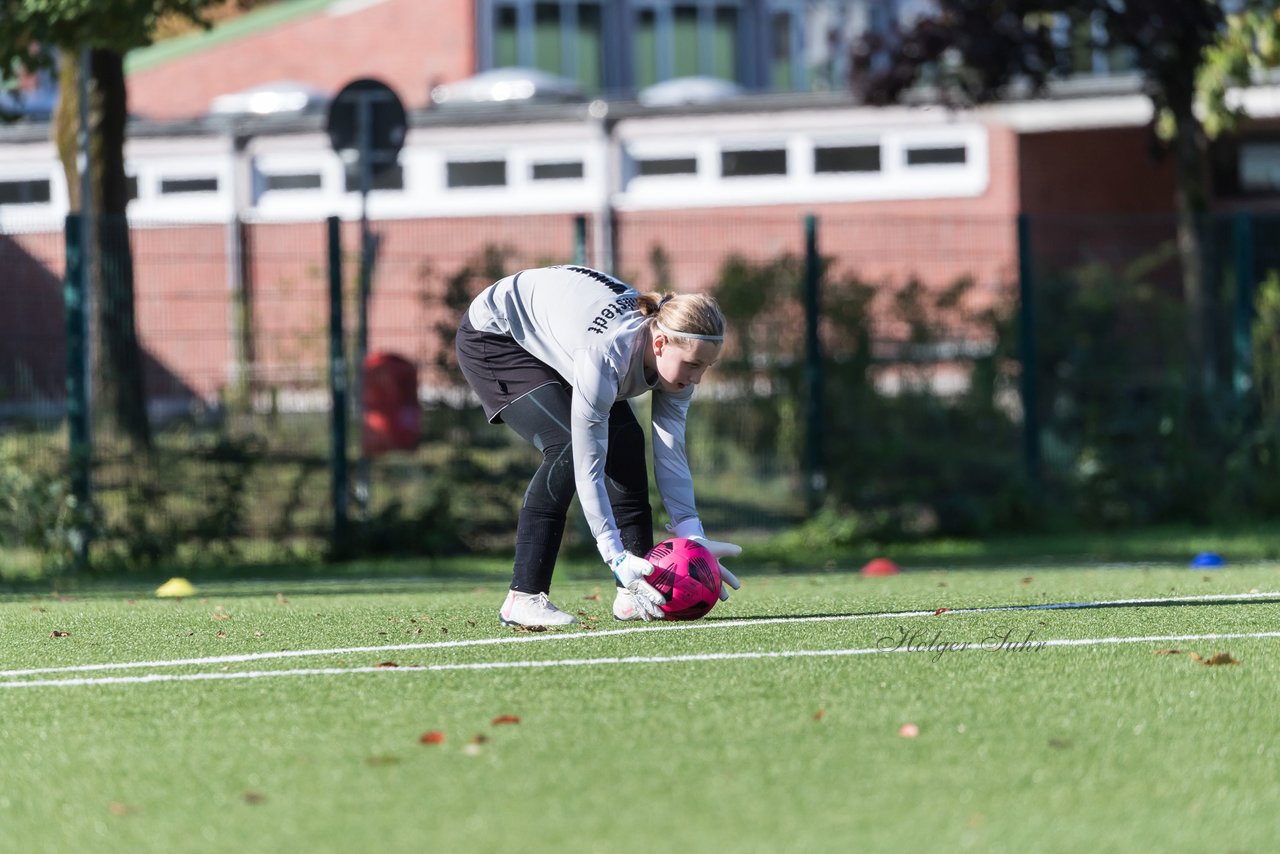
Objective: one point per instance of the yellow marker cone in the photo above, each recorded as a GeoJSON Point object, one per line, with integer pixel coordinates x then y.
{"type": "Point", "coordinates": [176, 588]}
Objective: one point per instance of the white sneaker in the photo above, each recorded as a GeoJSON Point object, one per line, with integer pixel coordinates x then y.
{"type": "Point", "coordinates": [624, 606]}
{"type": "Point", "coordinates": [532, 609]}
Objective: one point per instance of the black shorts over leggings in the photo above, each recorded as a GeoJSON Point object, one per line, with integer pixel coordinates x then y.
{"type": "Point", "coordinates": [498, 369]}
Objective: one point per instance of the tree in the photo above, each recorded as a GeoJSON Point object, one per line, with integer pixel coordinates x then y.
{"type": "Point", "coordinates": [1189, 54]}
{"type": "Point", "coordinates": [48, 33]}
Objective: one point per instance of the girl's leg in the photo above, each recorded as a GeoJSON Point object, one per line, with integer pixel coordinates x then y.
{"type": "Point", "coordinates": [542, 418]}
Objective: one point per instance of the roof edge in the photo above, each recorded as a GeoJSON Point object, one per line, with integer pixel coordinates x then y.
{"type": "Point", "coordinates": [153, 55]}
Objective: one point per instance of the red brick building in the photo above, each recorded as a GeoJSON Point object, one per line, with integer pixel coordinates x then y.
{"type": "Point", "coordinates": [228, 219]}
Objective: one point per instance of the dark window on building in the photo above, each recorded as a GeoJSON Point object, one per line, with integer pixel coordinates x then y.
{"type": "Point", "coordinates": [951, 155]}
{"type": "Point", "coordinates": [1259, 166]}
{"type": "Point", "coordinates": [173, 186]}
{"type": "Point", "coordinates": [391, 178]}
{"type": "Point", "coordinates": [645, 48]}
{"type": "Point", "coordinates": [741, 164]}
{"type": "Point", "coordinates": [846, 158]}
{"type": "Point", "coordinates": [667, 166]}
{"type": "Point", "coordinates": [780, 65]}
{"type": "Point", "coordinates": [130, 187]}
{"type": "Point", "coordinates": [557, 171]}
{"type": "Point", "coordinates": [477, 173]}
{"type": "Point", "coordinates": [307, 181]}
{"type": "Point", "coordinates": [32, 192]}
{"type": "Point", "coordinates": [506, 37]}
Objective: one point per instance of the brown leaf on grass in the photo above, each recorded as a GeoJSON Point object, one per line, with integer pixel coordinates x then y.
{"type": "Point", "coordinates": [221, 615]}
{"type": "Point", "coordinates": [382, 760]}
{"type": "Point", "coordinates": [1168, 652]}
{"type": "Point", "coordinates": [280, 600]}
{"type": "Point", "coordinates": [252, 797]}
{"type": "Point", "coordinates": [220, 634]}
{"type": "Point", "coordinates": [528, 628]}
{"type": "Point", "coordinates": [1059, 743]}
{"type": "Point", "coordinates": [594, 597]}
{"type": "Point", "coordinates": [259, 634]}
{"type": "Point", "coordinates": [444, 630]}
{"type": "Point", "coordinates": [1215, 659]}
{"type": "Point", "coordinates": [433, 736]}
{"type": "Point", "coordinates": [59, 634]}
{"type": "Point", "coordinates": [940, 611]}
{"type": "Point", "coordinates": [38, 609]}
{"type": "Point", "coordinates": [820, 714]}
{"type": "Point", "coordinates": [383, 665]}
{"type": "Point", "coordinates": [505, 719]}
{"type": "Point", "coordinates": [479, 738]}
{"type": "Point", "coordinates": [119, 808]}
{"type": "Point", "coordinates": [1027, 580]}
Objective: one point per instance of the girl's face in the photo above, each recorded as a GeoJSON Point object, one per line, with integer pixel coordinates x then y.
{"type": "Point", "coordinates": [681, 365]}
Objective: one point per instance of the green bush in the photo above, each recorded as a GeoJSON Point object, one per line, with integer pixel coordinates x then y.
{"type": "Point", "coordinates": [39, 511]}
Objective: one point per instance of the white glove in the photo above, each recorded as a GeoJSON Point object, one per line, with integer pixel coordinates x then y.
{"type": "Point", "coordinates": [692, 529]}
{"type": "Point", "coordinates": [719, 550]}
{"type": "Point", "coordinates": [631, 572]}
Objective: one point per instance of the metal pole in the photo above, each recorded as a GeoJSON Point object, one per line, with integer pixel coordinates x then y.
{"type": "Point", "coordinates": [80, 456]}
{"type": "Point", "coordinates": [364, 126]}
{"type": "Point", "coordinates": [1027, 355]}
{"type": "Point", "coordinates": [88, 237]}
{"type": "Point", "coordinates": [78, 299]}
{"type": "Point", "coordinates": [337, 391]}
{"type": "Point", "coordinates": [1242, 339]}
{"type": "Point", "coordinates": [580, 240]}
{"type": "Point", "coordinates": [817, 480]}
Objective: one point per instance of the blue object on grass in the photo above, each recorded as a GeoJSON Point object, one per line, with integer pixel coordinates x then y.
{"type": "Point", "coordinates": [1208, 560]}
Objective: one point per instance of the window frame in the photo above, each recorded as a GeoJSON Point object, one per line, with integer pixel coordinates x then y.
{"type": "Point", "coordinates": [526, 42]}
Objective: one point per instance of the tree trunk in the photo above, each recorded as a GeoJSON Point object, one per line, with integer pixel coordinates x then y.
{"type": "Point", "coordinates": [119, 381]}
{"type": "Point", "coordinates": [1192, 207]}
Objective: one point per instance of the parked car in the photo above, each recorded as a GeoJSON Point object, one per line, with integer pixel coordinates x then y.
{"type": "Point", "coordinates": [508, 85]}
{"type": "Point", "coordinates": [689, 90]}
{"type": "Point", "coordinates": [280, 96]}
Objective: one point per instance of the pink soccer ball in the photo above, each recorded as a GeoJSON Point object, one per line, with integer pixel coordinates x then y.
{"type": "Point", "coordinates": [688, 575]}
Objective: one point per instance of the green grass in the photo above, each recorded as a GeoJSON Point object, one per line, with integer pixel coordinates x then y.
{"type": "Point", "coordinates": [1055, 748]}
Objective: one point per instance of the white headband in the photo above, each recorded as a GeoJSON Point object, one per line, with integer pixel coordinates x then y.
{"type": "Point", "coordinates": [671, 333]}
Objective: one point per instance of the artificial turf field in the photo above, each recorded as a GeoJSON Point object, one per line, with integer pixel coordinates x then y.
{"type": "Point", "coordinates": [813, 712]}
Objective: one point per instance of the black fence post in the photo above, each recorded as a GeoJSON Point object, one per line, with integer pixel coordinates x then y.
{"type": "Point", "coordinates": [580, 240]}
{"type": "Point", "coordinates": [1027, 356]}
{"type": "Point", "coordinates": [1242, 332]}
{"type": "Point", "coordinates": [337, 392]}
{"type": "Point", "coordinates": [816, 485]}
{"type": "Point", "coordinates": [80, 446]}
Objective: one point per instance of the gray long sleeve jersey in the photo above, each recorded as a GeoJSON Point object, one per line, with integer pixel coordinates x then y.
{"type": "Point", "coordinates": [585, 325]}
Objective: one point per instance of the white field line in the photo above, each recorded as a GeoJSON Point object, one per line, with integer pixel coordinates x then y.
{"type": "Point", "coordinates": [657, 627]}
{"type": "Point", "coordinates": [615, 660]}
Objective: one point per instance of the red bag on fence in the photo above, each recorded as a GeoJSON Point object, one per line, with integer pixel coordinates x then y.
{"type": "Point", "coordinates": [392, 417]}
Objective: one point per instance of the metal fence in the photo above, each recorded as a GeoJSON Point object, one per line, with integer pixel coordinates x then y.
{"type": "Point", "coordinates": [909, 418]}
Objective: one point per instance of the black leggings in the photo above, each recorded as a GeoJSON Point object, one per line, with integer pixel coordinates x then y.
{"type": "Point", "coordinates": [542, 418]}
